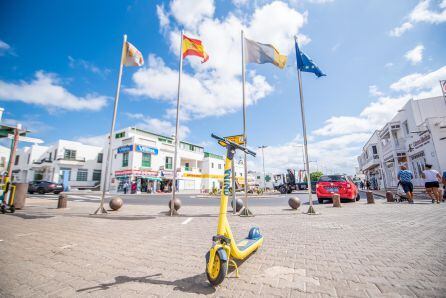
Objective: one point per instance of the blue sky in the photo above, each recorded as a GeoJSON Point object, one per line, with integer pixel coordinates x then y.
{"type": "Point", "coordinates": [59, 64]}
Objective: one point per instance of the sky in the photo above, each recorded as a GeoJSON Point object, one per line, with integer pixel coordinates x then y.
{"type": "Point", "coordinates": [59, 63]}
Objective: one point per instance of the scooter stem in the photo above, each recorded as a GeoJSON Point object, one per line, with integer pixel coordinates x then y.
{"type": "Point", "coordinates": [222, 220]}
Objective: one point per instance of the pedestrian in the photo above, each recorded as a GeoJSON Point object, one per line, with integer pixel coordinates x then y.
{"type": "Point", "coordinates": [367, 184]}
{"type": "Point", "coordinates": [405, 179]}
{"type": "Point", "coordinates": [361, 184]}
{"type": "Point", "coordinates": [133, 187]}
{"type": "Point", "coordinates": [125, 187]}
{"type": "Point", "coordinates": [431, 183]}
{"type": "Point", "coordinates": [444, 185]}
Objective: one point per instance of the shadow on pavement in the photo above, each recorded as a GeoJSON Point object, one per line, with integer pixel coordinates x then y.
{"type": "Point", "coordinates": [29, 216]}
{"type": "Point", "coordinates": [196, 284]}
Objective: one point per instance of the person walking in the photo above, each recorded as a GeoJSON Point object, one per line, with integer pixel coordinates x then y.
{"type": "Point", "coordinates": [125, 187]}
{"type": "Point", "coordinates": [405, 179]}
{"type": "Point", "coordinates": [444, 185]}
{"type": "Point", "coordinates": [431, 183]}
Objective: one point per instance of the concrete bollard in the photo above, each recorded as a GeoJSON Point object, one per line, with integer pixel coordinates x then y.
{"type": "Point", "coordinates": [389, 196]}
{"type": "Point", "coordinates": [62, 201]}
{"type": "Point", "coordinates": [370, 198]}
{"type": "Point", "coordinates": [336, 200]}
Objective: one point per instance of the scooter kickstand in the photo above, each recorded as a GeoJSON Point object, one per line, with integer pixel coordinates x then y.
{"type": "Point", "coordinates": [232, 263]}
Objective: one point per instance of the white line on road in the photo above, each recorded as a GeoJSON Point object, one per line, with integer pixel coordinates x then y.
{"type": "Point", "coordinates": [187, 221]}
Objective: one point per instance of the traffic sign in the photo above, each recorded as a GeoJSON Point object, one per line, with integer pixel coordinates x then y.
{"type": "Point", "coordinates": [238, 139]}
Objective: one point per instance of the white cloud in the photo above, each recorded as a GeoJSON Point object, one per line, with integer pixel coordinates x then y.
{"type": "Point", "coordinates": [214, 88]}
{"type": "Point", "coordinates": [6, 49]}
{"type": "Point", "coordinates": [415, 55]}
{"type": "Point", "coordinates": [45, 90]}
{"type": "Point", "coordinates": [100, 140]}
{"type": "Point", "coordinates": [320, 1]}
{"type": "Point", "coordinates": [190, 13]}
{"type": "Point", "coordinates": [74, 63]}
{"type": "Point", "coordinates": [422, 13]}
{"type": "Point", "coordinates": [162, 16]}
{"type": "Point", "coordinates": [239, 3]}
{"type": "Point", "coordinates": [420, 81]}
{"type": "Point", "coordinates": [398, 31]}
{"type": "Point", "coordinates": [374, 91]}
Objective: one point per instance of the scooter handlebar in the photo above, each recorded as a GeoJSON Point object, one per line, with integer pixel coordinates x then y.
{"type": "Point", "coordinates": [236, 146]}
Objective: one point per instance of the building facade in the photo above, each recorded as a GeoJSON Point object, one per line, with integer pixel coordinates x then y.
{"type": "Point", "coordinates": [83, 164]}
{"type": "Point", "coordinates": [4, 158]}
{"type": "Point", "coordinates": [415, 136]}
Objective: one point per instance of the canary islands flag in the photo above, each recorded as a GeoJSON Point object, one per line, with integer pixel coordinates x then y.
{"type": "Point", "coordinates": [133, 56]}
{"type": "Point", "coordinates": [304, 63]}
{"type": "Point", "coordinates": [194, 47]}
{"type": "Point", "coordinates": [256, 52]}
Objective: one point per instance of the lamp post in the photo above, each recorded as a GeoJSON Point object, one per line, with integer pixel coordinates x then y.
{"type": "Point", "coordinates": [263, 162]}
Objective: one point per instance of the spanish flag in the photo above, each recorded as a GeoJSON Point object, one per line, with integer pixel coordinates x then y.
{"type": "Point", "coordinates": [194, 47]}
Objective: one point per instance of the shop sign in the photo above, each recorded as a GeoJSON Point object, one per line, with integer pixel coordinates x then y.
{"type": "Point", "coordinates": [123, 173]}
{"type": "Point", "coordinates": [124, 149]}
{"type": "Point", "coordinates": [136, 173]}
{"type": "Point", "coordinates": [166, 174]}
{"type": "Point", "coordinates": [146, 149]}
{"type": "Point", "coordinates": [421, 141]}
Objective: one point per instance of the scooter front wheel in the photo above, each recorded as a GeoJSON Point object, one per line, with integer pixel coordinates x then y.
{"type": "Point", "coordinates": [219, 270]}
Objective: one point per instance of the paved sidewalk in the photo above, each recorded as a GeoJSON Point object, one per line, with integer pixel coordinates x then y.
{"type": "Point", "coordinates": [358, 250]}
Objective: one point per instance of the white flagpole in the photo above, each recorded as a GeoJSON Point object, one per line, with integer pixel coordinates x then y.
{"type": "Point", "coordinates": [101, 209]}
{"type": "Point", "coordinates": [304, 128]}
{"type": "Point", "coordinates": [174, 180]}
{"type": "Point", "coordinates": [245, 211]}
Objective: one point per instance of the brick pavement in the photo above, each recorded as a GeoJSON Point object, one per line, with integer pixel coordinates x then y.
{"type": "Point", "coordinates": [359, 250]}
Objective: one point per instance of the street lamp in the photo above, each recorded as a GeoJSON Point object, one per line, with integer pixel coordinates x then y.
{"type": "Point", "coordinates": [263, 162]}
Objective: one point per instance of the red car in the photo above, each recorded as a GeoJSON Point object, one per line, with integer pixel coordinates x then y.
{"type": "Point", "coordinates": [340, 184]}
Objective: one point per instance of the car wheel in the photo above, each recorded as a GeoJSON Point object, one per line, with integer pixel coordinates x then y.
{"type": "Point", "coordinates": [320, 201]}
{"type": "Point", "coordinates": [358, 197]}
{"type": "Point", "coordinates": [30, 192]}
{"type": "Point", "coordinates": [41, 191]}
{"type": "Point", "coordinates": [57, 192]}
{"type": "Point", "coordinates": [283, 190]}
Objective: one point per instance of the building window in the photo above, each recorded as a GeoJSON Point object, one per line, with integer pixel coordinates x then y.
{"type": "Point", "coordinates": [50, 156]}
{"type": "Point", "coordinates": [82, 175]}
{"type": "Point", "coordinates": [16, 161]}
{"type": "Point", "coordinates": [96, 175]}
{"type": "Point", "coordinates": [125, 159]}
{"type": "Point", "coordinates": [187, 167]}
{"type": "Point", "coordinates": [212, 165]}
{"type": "Point", "coordinates": [120, 135]}
{"type": "Point", "coordinates": [69, 154]}
{"type": "Point", "coordinates": [374, 149]}
{"type": "Point", "coordinates": [219, 166]}
{"type": "Point", "coordinates": [406, 127]}
{"type": "Point", "coordinates": [146, 160]}
{"type": "Point", "coordinates": [168, 164]}
{"type": "Point", "coordinates": [100, 156]}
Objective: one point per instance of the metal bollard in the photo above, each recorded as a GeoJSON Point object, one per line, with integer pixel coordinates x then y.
{"type": "Point", "coordinates": [370, 199]}
{"type": "Point", "coordinates": [62, 201]}
{"type": "Point", "coordinates": [336, 200]}
{"type": "Point", "coordinates": [389, 196]}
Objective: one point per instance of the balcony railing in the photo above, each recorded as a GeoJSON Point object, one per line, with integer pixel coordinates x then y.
{"type": "Point", "coordinates": [38, 162]}
{"type": "Point", "coordinates": [81, 159]}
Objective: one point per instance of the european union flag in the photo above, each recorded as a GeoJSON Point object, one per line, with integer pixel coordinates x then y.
{"type": "Point", "coordinates": [304, 63]}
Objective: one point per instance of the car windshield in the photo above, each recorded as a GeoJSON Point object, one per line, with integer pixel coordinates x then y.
{"type": "Point", "coordinates": [332, 178]}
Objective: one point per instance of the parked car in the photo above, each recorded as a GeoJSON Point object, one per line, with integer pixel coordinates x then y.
{"type": "Point", "coordinates": [43, 187]}
{"type": "Point", "coordinates": [340, 184]}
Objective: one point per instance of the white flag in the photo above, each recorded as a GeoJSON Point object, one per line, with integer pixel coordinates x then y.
{"type": "Point", "coordinates": [133, 57]}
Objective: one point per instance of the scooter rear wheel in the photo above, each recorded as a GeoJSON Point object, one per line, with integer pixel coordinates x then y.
{"type": "Point", "coordinates": [219, 270]}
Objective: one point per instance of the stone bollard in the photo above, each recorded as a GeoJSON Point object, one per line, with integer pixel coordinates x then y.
{"type": "Point", "coordinates": [389, 196]}
{"type": "Point", "coordinates": [116, 203]}
{"type": "Point", "coordinates": [294, 202]}
{"type": "Point", "coordinates": [62, 201]}
{"type": "Point", "coordinates": [370, 199]}
{"type": "Point", "coordinates": [336, 200]}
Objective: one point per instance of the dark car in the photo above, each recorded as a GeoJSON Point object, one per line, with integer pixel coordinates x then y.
{"type": "Point", "coordinates": [43, 187]}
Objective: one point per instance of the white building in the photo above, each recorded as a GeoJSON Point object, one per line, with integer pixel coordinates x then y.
{"type": "Point", "coordinates": [83, 163]}
{"type": "Point", "coordinates": [147, 159]}
{"type": "Point", "coordinates": [4, 157]}
{"type": "Point", "coordinates": [416, 135]}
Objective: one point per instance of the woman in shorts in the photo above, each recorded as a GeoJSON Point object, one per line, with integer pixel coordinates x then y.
{"type": "Point", "coordinates": [431, 183]}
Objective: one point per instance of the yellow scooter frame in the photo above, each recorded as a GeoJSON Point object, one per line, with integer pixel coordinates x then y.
{"type": "Point", "coordinates": [224, 248]}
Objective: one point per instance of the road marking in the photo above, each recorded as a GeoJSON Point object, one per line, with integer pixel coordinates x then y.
{"type": "Point", "coordinates": [24, 235]}
{"type": "Point", "coordinates": [1, 240]}
{"type": "Point", "coordinates": [187, 221]}
{"type": "Point", "coordinates": [78, 200]}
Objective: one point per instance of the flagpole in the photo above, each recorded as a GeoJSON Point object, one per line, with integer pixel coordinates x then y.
{"type": "Point", "coordinates": [101, 209]}
{"type": "Point", "coordinates": [304, 129]}
{"type": "Point", "coordinates": [245, 211]}
{"type": "Point", "coordinates": [174, 180]}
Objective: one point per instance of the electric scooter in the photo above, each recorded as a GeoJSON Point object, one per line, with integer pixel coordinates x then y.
{"type": "Point", "coordinates": [6, 189]}
{"type": "Point", "coordinates": [224, 248]}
